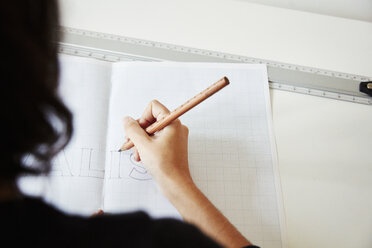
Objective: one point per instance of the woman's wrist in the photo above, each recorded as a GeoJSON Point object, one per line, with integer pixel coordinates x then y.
{"type": "Point", "coordinates": [176, 188]}
{"type": "Point", "coordinates": [196, 209]}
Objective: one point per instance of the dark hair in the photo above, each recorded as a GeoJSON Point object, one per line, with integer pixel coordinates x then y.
{"type": "Point", "coordinates": [34, 120]}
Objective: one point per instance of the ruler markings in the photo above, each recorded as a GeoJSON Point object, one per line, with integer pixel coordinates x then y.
{"type": "Point", "coordinates": [288, 77]}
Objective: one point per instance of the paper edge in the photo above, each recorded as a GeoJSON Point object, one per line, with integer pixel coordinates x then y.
{"type": "Point", "coordinates": [275, 163]}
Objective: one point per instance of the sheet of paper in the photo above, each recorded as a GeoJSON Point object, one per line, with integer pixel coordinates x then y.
{"type": "Point", "coordinates": [128, 186]}
{"type": "Point", "coordinates": [231, 145]}
{"type": "Point", "coordinates": [76, 180]}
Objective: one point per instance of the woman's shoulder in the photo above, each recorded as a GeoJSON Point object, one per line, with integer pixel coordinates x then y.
{"type": "Point", "coordinates": [31, 218]}
{"type": "Point", "coordinates": [169, 232]}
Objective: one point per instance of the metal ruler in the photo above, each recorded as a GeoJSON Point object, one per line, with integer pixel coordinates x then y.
{"type": "Point", "coordinates": [288, 77]}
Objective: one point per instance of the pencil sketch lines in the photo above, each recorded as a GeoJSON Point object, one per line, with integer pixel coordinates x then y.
{"type": "Point", "coordinates": [90, 162]}
{"type": "Point", "coordinates": [115, 164]}
{"type": "Point", "coordinates": [138, 172]}
{"type": "Point", "coordinates": [78, 162]}
{"type": "Point", "coordinates": [123, 165]}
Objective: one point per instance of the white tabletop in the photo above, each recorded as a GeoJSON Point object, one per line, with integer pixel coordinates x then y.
{"type": "Point", "coordinates": [323, 145]}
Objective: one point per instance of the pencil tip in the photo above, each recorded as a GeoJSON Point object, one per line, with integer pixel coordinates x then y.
{"type": "Point", "coordinates": [119, 150]}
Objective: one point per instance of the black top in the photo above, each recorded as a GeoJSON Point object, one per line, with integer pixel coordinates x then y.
{"type": "Point", "coordinates": [29, 221]}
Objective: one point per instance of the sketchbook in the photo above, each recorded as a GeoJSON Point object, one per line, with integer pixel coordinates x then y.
{"type": "Point", "coordinates": [232, 152]}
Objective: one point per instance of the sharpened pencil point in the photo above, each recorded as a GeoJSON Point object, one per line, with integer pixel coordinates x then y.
{"type": "Point", "coordinates": [119, 150]}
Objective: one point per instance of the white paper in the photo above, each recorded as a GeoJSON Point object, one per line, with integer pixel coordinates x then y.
{"type": "Point", "coordinates": [76, 180]}
{"type": "Point", "coordinates": [231, 148]}
{"type": "Point", "coordinates": [231, 144]}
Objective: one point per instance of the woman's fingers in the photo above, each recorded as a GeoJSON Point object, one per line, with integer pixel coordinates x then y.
{"type": "Point", "coordinates": [99, 212]}
{"type": "Point", "coordinates": [135, 132]}
{"type": "Point", "coordinates": [136, 155]}
{"type": "Point", "coordinates": [134, 129]}
{"type": "Point", "coordinates": [153, 112]}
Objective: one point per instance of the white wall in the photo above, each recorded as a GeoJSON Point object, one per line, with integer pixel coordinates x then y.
{"type": "Point", "coordinates": [352, 9]}
{"type": "Point", "coordinates": [235, 27]}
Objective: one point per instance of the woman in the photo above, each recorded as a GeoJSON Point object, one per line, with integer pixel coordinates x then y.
{"type": "Point", "coordinates": [36, 122]}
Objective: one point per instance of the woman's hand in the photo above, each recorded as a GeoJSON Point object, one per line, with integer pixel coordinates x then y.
{"type": "Point", "coordinates": [164, 154]}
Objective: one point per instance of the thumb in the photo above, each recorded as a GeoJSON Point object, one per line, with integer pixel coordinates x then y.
{"type": "Point", "coordinates": [135, 132]}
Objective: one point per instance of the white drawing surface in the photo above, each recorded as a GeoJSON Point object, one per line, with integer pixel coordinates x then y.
{"type": "Point", "coordinates": [231, 148]}
{"type": "Point", "coordinates": [232, 152]}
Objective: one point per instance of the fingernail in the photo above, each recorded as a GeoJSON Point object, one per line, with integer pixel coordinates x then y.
{"type": "Point", "coordinates": [126, 119]}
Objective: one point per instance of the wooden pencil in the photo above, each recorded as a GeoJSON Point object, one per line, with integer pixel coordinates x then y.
{"type": "Point", "coordinates": [160, 124]}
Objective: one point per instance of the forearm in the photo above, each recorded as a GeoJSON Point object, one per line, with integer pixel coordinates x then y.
{"type": "Point", "coordinates": [195, 208]}
{"type": "Point", "coordinates": [165, 156]}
